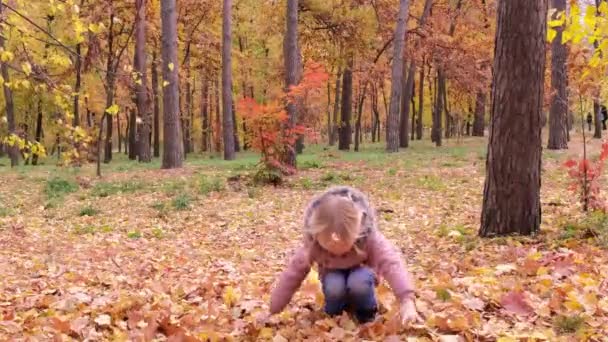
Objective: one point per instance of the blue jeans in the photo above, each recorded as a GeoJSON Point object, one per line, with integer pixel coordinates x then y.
{"type": "Point", "coordinates": [352, 288]}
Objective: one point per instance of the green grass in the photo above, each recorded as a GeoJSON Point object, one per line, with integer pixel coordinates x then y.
{"type": "Point", "coordinates": [182, 202]}
{"type": "Point", "coordinates": [431, 182]}
{"type": "Point", "coordinates": [57, 188]}
{"type": "Point", "coordinates": [88, 211]}
{"type": "Point", "coordinates": [207, 185]}
{"type": "Point", "coordinates": [106, 189]}
{"type": "Point", "coordinates": [568, 324]}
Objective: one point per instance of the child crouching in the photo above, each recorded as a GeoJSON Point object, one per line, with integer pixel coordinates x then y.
{"type": "Point", "coordinates": [342, 239]}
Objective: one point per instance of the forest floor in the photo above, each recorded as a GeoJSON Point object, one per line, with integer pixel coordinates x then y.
{"type": "Point", "coordinates": [188, 255]}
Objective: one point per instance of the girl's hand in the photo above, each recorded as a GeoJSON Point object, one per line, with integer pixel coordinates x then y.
{"type": "Point", "coordinates": [408, 312]}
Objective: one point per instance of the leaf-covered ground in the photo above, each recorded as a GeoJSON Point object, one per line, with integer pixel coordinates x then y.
{"type": "Point", "coordinates": [187, 255]}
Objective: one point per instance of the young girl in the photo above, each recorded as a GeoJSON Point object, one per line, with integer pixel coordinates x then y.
{"type": "Point", "coordinates": [341, 237]}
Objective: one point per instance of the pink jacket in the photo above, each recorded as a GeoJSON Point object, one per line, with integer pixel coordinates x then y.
{"type": "Point", "coordinates": [376, 252]}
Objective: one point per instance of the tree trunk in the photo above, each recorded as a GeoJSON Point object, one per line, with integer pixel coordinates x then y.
{"type": "Point", "coordinates": [329, 130]}
{"type": "Point", "coordinates": [335, 128]}
{"type": "Point", "coordinates": [133, 134]}
{"type": "Point", "coordinates": [347, 100]}
{"type": "Point", "coordinates": [120, 136]}
{"type": "Point", "coordinates": [76, 119]}
{"type": "Point", "coordinates": [218, 120]}
{"type": "Point", "coordinates": [127, 132]}
{"type": "Point", "coordinates": [408, 92]}
{"type": "Point", "coordinates": [359, 115]}
{"type": "Point", "coordinates": [480, 114]}
{"type": "Point", "coordinates": [291, 52]}
{"type": "Point", "coordinates": [439, 107]}
{"type": "Point", "coordinates": [420, 104]}
{"type": "Point", "coordinates": [13, 151]}
{"type": "Point", "coordinates": [205, 112]}
{"type": "Point", "coordinates": [392, 122]}
{"type": "Point", "coordinates": [156, 105]}
{"type": "Point", "coordinates": [38, 136]}
{"type": "Point", "coordinates": [110, 88]}
{"type": "Point", "coordinates": [414, 115]}
{"type": "Point", "coordinates": [141, 85]}
{"type": "Point", "coordinates": [235, 128]}
{"type": "Point", "coordinates": [227, 81]}
{"type": "Point", "coordinates": [511, 202]}
{"type": "Point", "coordinates": [558, 112]}
{"type": "Point", "coordinates": [173, 151]}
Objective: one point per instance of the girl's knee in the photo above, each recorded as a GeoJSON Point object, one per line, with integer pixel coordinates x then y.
{"type": "Point", "coordinates": [334, 285]}
{"type": "Point", "coordinates": [360, 281]}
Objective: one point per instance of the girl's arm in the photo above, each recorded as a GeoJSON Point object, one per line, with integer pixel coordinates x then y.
{"type": "Point", "coordinates": [388, 262]}
{"type": "Point", "coordinates": [290, 280]}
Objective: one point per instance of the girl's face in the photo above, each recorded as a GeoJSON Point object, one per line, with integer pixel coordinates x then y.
{"type": "Point", "coordinates": [335, 244]}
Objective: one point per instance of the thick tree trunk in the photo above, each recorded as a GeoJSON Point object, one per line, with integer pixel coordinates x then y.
{"type": "Point", "coordinates": [511, 202]}
{"type": "Point", "coordinates": [291, 52]}
{"type": "Point", "coordinates": [235, 129]}
{"type": "Point", "coordinates": [345, 117]}
{"type": "Point", "coordinates": [13, 151]}
{"type": "Point", "coordinates": [227, 81]}
{"type": "Point", "coordinates": [218, 120]}
{"type": "Point", "coordinates": [597, 109]}
{"type": "Point", "coordinates": [173, 151]}
{"type": "Point", "coordinates": [392, 122]}
{"type": "Point", "coordinates": [480, 115]}
{"type": "Point", "coordinates": [141, 87]}
{"type": "Point", "coordinates": [156, 105]}
{"type": "Point", "coordinates": [558, 112]}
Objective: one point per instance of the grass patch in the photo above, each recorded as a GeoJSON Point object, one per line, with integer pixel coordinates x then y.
{"type": "Point", "coordinates": [568, 324]}
{"type": "Point", "coordinates": [4, 212]}
{"type": "Point", "coordinates": [174, 187]}
{"type": "Point", "coordinates": [433, 183]}
{"type": "Point", "coordinates": [88, 211]}
{"type": "Point", "coordinates": [57, 188]}
{"type": "Point", "coordinates": [85, 230]}
{"type": "Point", "coordinates": [208, 185]}
{"type": "Point", "coordinates": [134, 234]}
{"type": "Point", "coordinates": [106, 189]}
{"type": "Point", "coordinates": [181, 202]}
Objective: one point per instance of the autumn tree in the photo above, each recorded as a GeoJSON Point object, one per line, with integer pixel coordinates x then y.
{"type": "Point", "coordinates": [173, 151]}
{"type": "Point", "coordinates": [392, 126]}
{"type": "Point", "coordinates": [291, 52]}
{"type": "Point", "coordinates": [228, 126]}
{"type": "Point", "coordinates": [558, 112]}
{"type": "Point", "coordinates": [511, 200]}
{"type": "Point", "coordinates": [8, 97]}
{"type": "Point", "coordinates": [141, 82]}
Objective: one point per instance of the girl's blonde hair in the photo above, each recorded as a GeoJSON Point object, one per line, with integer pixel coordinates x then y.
{"type": "Point", "coordinates": [336, 215]}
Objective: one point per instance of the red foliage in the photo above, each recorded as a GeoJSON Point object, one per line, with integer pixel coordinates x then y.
{"type": "Point", "coordinates": [268, 127]}
{"type": "Point", "coordinates": [585, 175]}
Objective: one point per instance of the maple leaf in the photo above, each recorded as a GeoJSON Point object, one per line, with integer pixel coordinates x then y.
{"type": "Point", "coordinates": [515, 302]}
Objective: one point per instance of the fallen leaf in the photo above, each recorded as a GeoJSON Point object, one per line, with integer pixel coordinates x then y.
{"type": "Point", "coordinates": [515, 302]}
{"type": "Point", "coordinates": [103, 320]}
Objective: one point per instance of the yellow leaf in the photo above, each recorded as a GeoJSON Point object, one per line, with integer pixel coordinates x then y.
{"type": "Point", "coordinates": [113, 109]}
{"type": "Point", "coordinates": [27, 68]}
{"type": "Point", "coordinates": [171, 66]}
{"type": "Point", "coordinates": [603, 9]}
{"type": "Point", "coordinates": [266, 333]}
{"type": "Point", "coordinates": [551, 34]}
{"type": "Point", "coordinates": [165, 83]}
{"type": "Point", "coordinates": [230, 296]}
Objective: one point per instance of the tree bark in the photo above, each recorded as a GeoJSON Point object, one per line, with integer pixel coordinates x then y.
{"type": "Point", "coordinates": [141, 87]}
{"type": "Point", "coordinates": [480, 115]}
{"type": "Point", "coordinates": [205, 112]}
{"type": "Point", "coordinates": [110, 88]}
{"type": "Point", "coordinates": [78, 68]}
{"type": "Point", "coordinates": [347, 100]}
{"type": "Point", "coordinates": [558, 112]}
{"type": "Point", "coordinates": [235, 128]}
{"type": "Point", "coordinates": [392, 123]}
{"type": "Point", "coordinates": [291, 52]}
{"type": "Point", "coordinates": [173, 151]}
{"type": "Point", "coordinates": [420, 104]}
{"type": "Point", "coordinates": [227, 81]}
{"type": "Point", "coordinates": [439, 107]}
{"type": "Point", "coordinates": [156, 105]}
{"type": "Point", "coordinates": [38, 136]}
{"type": "Point", "coordinates": [133, 134]}
{"type": "Point", "coordinates": [335, 128]}
{"type": "Point", "coordinates": [359, 115]}
{"type": "Point", "coordinates": [13, 151]}
{"type": "Point", "coordinates": [218, 120]}
{"type": "Point", "coordinates": [406, 96]}
{"type": "Point", "coordinates": [119, 133]}
{"type": "Point", "coordinates": [511, 202]}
